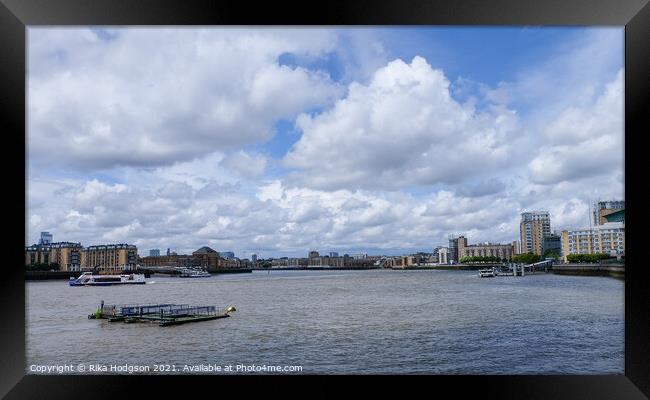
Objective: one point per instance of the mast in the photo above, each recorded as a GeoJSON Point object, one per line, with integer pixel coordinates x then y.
{"type": "Point", "coordinates": [591, 234]}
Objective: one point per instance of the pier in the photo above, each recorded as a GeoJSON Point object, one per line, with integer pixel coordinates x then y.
{"type": "Point", "coordinates": [162, 314]}
{"type": "Point", "coordinates": [515, 269]}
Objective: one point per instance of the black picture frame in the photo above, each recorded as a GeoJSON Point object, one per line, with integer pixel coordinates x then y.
{"type": "Point", "coordinates": [16, 15]}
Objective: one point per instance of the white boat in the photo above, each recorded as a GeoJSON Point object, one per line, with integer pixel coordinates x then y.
{"type": "Point", "coordinates": [88, 279]}
{"type": "Point", "coordinates": [487, 273]}
{"type": "Point", "coordinates": [193, 273]}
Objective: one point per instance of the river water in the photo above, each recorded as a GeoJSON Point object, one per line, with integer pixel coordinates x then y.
{"type": "Point", "coordinates": [343, 322]}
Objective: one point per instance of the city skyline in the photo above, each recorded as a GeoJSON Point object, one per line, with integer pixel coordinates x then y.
{"type": "Point", "coordinates": [276, 141]}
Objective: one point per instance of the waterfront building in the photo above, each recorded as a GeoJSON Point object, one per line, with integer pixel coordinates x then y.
{"type": "Point", "coordinates": [357, 262]}
{"type": "Point", "coordinates": [443, 255]}
{"type": "Point", "coordinates": [401, 262]}
{"type": "Point", "coordinates": [254, 259]}
{"type": "Point", "coordinates": [37, 254]}
{"type": "Point", "coordinates": [421, 258]}
{"type": "Point", "coordinates": [461, 244]}
{"type": "Point", "coordinates": [280, 262]}
{"type": "Point", "coordinates": [516, 247]}
{"type": "Point", "coordinates": [605, 238]}
{"type": "Point", "coordinates": [552, 242]}
{"type": "Point", "coordinates": [534, 226]}
{"type": "Point", "coordinates": [298, 262]}
{"type": "Point", "coordinates": [154, 253]}
{"type": "Point", "coordinates": [170, 261]}
{"type": "Point", "coordinates": [110, 256]}
{"type": "Point", "coordinates": [206, 258]}
{"type": "Point", "coordinates": [486, 249]}
{"type": "Point", "coordinates": [228, 263]}
{"type": "Point", "coordinates": [66, 255]}
{"type": "Point", "coordinates": [46, 238]}
{"type": "Point", "coordinates": [320, 261]}
{"type": "Point", "coordinates": [604, 208]}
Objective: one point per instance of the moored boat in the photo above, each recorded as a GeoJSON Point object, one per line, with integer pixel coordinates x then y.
{"type": "Point", "coordinates": [193, 273]}
{"type": "Point", "coordinates": [487, 273]}
{"type": "Point", "coordinates": [89, 279]}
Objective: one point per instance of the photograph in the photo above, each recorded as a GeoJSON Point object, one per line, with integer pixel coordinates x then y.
{"type": "Point", "coordinates": [325, 200]}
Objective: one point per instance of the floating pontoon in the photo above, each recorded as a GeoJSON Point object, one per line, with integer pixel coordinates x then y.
{"type": "Point", "coordinates": [162, 314]}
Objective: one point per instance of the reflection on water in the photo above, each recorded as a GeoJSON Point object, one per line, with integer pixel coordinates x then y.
{"type": "Point", "coordinates": [379, 321]}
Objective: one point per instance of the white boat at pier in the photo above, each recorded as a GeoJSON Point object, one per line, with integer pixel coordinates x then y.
{"type": "Point", "coordinates": [90, 279]}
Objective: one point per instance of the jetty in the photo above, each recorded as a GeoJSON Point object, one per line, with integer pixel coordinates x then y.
{"type": "Point", "coordinates": [161, 314]}
{"type": "Point", "coordinates": [516, 269]}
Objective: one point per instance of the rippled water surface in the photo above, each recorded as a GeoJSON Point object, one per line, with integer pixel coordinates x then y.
{"type": "Point", "coordinates": [378, 321]}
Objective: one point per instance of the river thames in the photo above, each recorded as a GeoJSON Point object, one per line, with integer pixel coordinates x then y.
{"type": "Point", "coordinates": [345, 322]}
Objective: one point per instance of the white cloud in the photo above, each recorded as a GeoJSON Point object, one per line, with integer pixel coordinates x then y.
{"type": "Point", "coordinates": [156, 96]}
{"type": "Point", "coordinates": [246, 165]}
{"type": "Point", "coordinates": [583, 141]}
{"type": "Point", "coordinates": [401, 129]}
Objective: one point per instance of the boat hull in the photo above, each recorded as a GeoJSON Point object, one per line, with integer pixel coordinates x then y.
{"type": "Point", "coordinates": [105, 283]}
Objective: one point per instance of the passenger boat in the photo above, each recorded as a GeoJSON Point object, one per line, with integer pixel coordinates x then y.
{"type": "Point", "coordinates": [88, 279]}
{"type": "Point", "coordinates": [487, 273]}
{"type": "Point", "coordinates": [193, 273]}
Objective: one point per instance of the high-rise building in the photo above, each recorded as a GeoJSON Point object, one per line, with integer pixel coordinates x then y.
{"type": "Point", "coordinates": [254, 259]}
{"type": "Point", "coordinates": [154, 253]}
{"type": "Point", "coordinates": [534, 227]}
{"type": "Point", "coordinates": [334, 254]}
{"type": "Point", "coordinates": [454, 243]}
{"type": "Point", "coordinates": [46, 238]}
{"type": "Point", "coordinates": [604, 208]}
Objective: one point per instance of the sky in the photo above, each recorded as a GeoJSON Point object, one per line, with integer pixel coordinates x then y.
{"type": "Point", "coordinates": [277, 141]}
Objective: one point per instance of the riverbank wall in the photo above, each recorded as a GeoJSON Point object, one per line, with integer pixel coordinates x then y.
{"type": "Point", "coordinates": [615, 271]}
{"type": "Point", "coordinates": [52, 275]}
{"type": "Point", "coordinates": [230, 271]}
{"type": "Point", "coordinates": [315, 268]}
